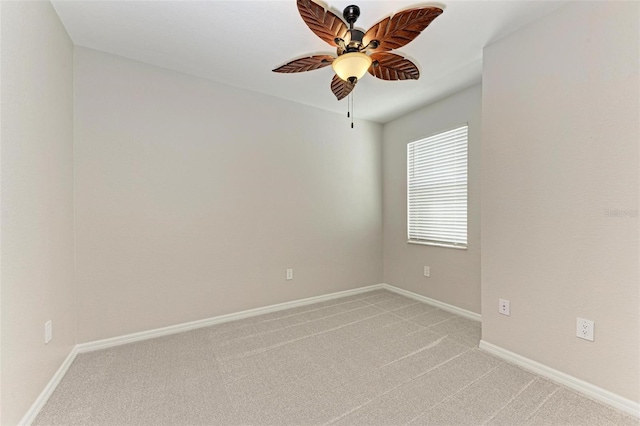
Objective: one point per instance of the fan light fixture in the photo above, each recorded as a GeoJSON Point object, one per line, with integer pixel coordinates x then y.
{"type": "Point", "coordinates": [351, 65]}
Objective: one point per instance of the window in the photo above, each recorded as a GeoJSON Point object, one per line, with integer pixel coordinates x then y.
{"type": "Point", "coordinates": [437, 189]}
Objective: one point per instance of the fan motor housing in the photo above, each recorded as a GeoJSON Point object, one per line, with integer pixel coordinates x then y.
{"type": "Point", "coordinates": [355, 42]}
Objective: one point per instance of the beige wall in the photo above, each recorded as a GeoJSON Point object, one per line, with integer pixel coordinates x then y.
{"type": "Point", "coordinates": [193, 198]}
{"type": "Point", "coordinates": [560, 149]}
{"type": "Point", "coordinates": [36, 208]}
{"type": "Point", "coordinates": [455, 274]}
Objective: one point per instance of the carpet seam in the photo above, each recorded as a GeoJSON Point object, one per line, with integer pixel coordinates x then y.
{"type": "Point", "coordinates": [534, 412]}
{"type": "Point", "coordinates": [396, 387]}
{"type": "Point", "coordinates": [454, 394]}
{"type": "Point", "coordinates": [262, 350]}
{"type": "Point", "coordinates": [513, 398]}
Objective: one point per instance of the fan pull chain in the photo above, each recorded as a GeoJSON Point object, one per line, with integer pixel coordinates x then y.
{"type": "Point", "coordinates": [351, 110]}
{"type": "Point", "coordinates": [350, 107]}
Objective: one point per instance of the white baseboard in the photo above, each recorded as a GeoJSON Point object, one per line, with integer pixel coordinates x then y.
{"type": "Point", "coordinates": [187, 326]}
{"type": "Point", "coordinates": [444, 306]}
{"type": "Point", "coordinates": [179, 328]}
{"type": "Point", "coordinates": [42, 399]}
{"type": "Point", "coordinates": [586, 388]}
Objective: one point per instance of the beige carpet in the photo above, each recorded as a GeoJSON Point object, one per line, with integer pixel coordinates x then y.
{"type": "Point", "coordinates": [371, 359]}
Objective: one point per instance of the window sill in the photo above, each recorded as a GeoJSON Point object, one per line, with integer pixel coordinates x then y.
{"type": "Point", "coordinates": [427, 243]}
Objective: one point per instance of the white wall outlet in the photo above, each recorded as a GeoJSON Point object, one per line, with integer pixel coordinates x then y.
{"type": "Point", "coordinates": [427, 271]}
{"type": "Point", "coordinates": [503, 307]}
{"type": "Point", "coordinates": [584, 329]}
{"type": "Point", "coordinates": [289, 274]}
{"type": "Point", "coordinates": [48, 332]}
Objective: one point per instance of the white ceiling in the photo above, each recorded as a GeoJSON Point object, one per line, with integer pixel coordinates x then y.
{"type": "Point", "coordinates": [240, 42]}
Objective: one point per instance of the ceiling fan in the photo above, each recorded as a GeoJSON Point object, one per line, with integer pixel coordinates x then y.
{"type": "Point", "coordinates": [359, 51]}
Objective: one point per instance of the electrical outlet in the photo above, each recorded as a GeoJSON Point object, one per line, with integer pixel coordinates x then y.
{"type": "Point", "coordinates": [584, 329]}
{"type": "Point", "coordinates": [289, 274]}
{"type": "Point", "coordinates": [48, 332]}
{"type": "Point", "coordinates": [503, 307]}
{"type": "Point", "coordinates": [427, 271]}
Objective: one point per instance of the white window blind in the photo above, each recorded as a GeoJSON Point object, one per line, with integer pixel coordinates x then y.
{"type": "Point", "coordinates": [437, 189]}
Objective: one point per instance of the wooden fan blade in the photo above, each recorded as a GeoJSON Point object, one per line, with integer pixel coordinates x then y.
{"type": "Point", "coordinates": [398, 30]}
{"type": "Point", "coordinates": [341, 88]}
{"type": "Point", "coordinates": [306, 64]}
{"type": "Point", "coordinates": [324, 23]}
{"type": "Point", "coordinates": [393, 67]}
